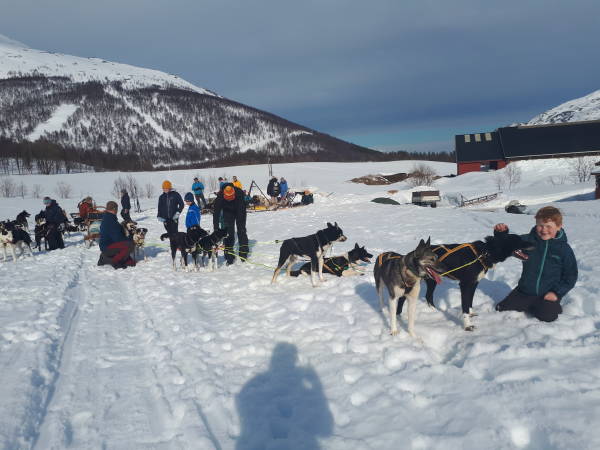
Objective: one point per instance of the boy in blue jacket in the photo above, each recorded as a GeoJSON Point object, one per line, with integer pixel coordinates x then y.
{"type": "Point", "coordinates": [549, 272]}
{"type": "Point", "coordinates": [193, 213]}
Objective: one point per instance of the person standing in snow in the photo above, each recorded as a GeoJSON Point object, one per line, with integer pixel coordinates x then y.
{"type": "Point", "coordinates": [237, 183]}
{"type": "Point", "coordinates": [170, 205]}
{"type": "Point", "coordinates": [125, 206]}
{"type": "Point", "coordinates": [273, 189]}
{"type": "Point", "coordinates": [193, 213]}
{"type": "Point", "coordinates": [115, 247]}
{"type": "Point", "coordinates": [230, 201]}
{"type": "Point", "coordinates": [549, 272]}
{"type": "Point", "coordinates": [198, 190]}
{"type": "Point", "coordinates": [283, 189]}
{"type": "Point", "coordinates": [55, 217]}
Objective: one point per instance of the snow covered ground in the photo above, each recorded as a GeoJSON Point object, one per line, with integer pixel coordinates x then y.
{"type": "Point", "coordinates": [147, 357]}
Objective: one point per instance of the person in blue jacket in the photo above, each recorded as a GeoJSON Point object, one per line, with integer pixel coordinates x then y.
{"type": "Point", "coordinates": [198, 190]}
{"type": "Point", "coordinates": [193, 213]}
{"type": "Point", "coordinates": [170, 205]}
{"type": "Point", "coordinates": [283, 189]}
{"type": "Point", "coordinates": [115, 247]}
{"type": "Point", "coordinates": [549, 272]}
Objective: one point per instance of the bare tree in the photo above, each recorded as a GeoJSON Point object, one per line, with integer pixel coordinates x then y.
{"type": "Point", "coordinates": [557, 180]}
{"type": "Point", "coordinates": [512, 174]}
{"type": "Point", "coordinates": [36, 191]}
{"type": "Point", "coordinates": [63, 189]}
{"type": "Point", "coordinates": [499, 181]}
{"type": "Point", "coordinates": [581, 169]}
{"type": "Point", "coordinates": [7, 187]}
{"type": "Point", "coordinates": [150, 190]}
{"type": "Point", "coordinates": [421, 175]}
{"type": "Point", "coordinates": [22, 190]}
{"type": "Point", "coordinates": [118, 185]}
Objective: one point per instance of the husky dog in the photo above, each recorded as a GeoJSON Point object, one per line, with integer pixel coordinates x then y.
{"type": "Point", "coordinates": [12, 237]}
{"type": "Point", "coordinates": [40, 231]}
{"type": "Point", "coordinates": [208, 245]}
{"type": "Point", "coordinates": [468, 264]}
{"type": "Point", "coordinates": [22, 220]}
{"type": "Point", "coordinates": [184, 242]}
{"type": "Point", "coordinates": [401, 276]}
{"type": "Point", "coordinates": [314, 246]}
{"type": "Point", "coordinates": [138, 235]}
{"type": "Point", "coordinates": [341, 266]}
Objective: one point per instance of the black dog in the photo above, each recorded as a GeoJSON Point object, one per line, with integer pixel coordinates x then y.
{"type": "Point", "coordinates": [314, 246]}
{"type": "Point", "coordinates": [468, 263]}
{"type": "Point", "coordinates": [208, 245]}
{"type": "Point", "coordinates": [340, 265]}
{"type": "Point", "coordinates": [184, 242]}
{"type": "Point", "coordinates": [22, 220]}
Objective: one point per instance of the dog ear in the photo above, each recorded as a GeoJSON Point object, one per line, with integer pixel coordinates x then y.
{"type": "Point", "coordinates": [329, 225]}
{"type": "Point", "coordinates": [428, 243]}
{"type": "Point", "coordinates": [356, 245]}
{"type": "Point", "coordinates": [336, 225]}
{"type": "Point", "coordinates": [421, 243]}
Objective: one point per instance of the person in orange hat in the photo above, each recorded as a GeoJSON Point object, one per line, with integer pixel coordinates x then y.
{"type": "Point", "coordinates": [230, 201]}
{"type": "Point", "coordinates": [170, 205]}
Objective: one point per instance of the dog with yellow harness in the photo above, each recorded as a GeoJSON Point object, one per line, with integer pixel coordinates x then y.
{"type": "Point", "coordinates": [469, 262]}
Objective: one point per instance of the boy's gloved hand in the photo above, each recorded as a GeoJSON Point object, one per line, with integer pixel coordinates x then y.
{"type": "Point", "coordinates": [176, 215]}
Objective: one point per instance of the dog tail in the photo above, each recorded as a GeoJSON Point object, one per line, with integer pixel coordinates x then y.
{"type": "Point", "coordinates": [164, 236]}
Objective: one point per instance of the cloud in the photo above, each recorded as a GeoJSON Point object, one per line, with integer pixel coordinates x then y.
{"type": "Point", "coordinates": [342, 65]}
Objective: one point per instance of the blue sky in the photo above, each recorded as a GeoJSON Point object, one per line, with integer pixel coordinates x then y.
{"type": "Point", "coordinates": [385, 73]}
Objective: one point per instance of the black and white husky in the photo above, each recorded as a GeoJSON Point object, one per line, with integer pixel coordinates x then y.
{"type": "Point", "coordinates": [14, 238]}
{"type": "Point", "coordinates": [22, 220]}
{"type": "Point", "coordinates": [313, 246]}
{"type": "Point", "coordinates": [138, 235]}
{"type": "Point", "coordinates": [401, 275]}
{"type": "Point", "coordinates": [341, 266]}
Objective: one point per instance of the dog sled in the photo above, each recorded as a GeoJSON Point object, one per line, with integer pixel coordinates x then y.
{"type": "Point", "coordinates": [91, 226]}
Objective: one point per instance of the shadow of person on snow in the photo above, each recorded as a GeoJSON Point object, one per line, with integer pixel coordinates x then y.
{"type": "Point", "coordinates": [283, 407]}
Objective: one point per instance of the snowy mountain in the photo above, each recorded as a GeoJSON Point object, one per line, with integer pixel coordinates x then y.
{"type": "Point", "coordinates": [577, 110]}
{"type": "Point", "coordinates": [93, 105]}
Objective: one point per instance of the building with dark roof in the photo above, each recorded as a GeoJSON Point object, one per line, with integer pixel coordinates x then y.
{"type": "Point", "coordinates": [494, 150]}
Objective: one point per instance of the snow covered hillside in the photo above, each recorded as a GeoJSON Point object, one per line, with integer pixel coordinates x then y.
{"type": "Point", "coordinates": [155, 119]}
{"type": "Point", "coordinates": [579, 109]}
{"type": "Point", "coordinates": [146, 357]}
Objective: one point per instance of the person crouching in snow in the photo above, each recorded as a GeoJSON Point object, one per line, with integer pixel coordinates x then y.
{"type": "Point", "coordinates": [193, 213]}
{"type": "Point", "coordinates": [549, 272]}
{"type": "Point", "coordinates": [115, 247]}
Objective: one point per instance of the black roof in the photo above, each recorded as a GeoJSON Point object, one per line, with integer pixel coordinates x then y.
{"type": "Point", "coordinates": [487, 148]}
{"type": "Point", "coordinates": [532, 141]}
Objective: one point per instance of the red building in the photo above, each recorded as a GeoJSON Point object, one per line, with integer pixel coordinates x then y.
{"type": "Point", "coordinates": [494, 150]}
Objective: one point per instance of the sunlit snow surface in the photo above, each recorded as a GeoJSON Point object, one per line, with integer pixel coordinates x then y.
{"type": "Point", "coordinates": [147, 357]}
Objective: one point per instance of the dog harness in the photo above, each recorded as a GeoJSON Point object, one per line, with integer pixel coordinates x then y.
{"type": "Point", "coordinates": [387, 258]}
{"type": "Point", "coordinates": [448, 252]}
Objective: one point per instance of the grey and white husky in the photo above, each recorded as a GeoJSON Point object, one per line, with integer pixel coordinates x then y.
{"type": "Point", "coordinates": [401, 275]}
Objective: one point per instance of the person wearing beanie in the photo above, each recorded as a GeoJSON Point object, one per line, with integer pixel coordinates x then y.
{"type": "Point", "coordinates": [170, 205]}
{"type": "Point", "coordinates": [237, 183]}
{"type": "Point", "coordinates": [273, 189]}
{"type": "Point", "coordinates": [193, 213]}
{"type": "Point", "coordinates": [230, 201]}
{"type": "Point", "coordinates": [115, 247]}
{"type": "Point", "coordinates": [54, 218]}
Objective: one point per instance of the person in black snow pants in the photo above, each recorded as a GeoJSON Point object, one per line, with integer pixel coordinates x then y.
{"type": "Point", "coordinates": [170, 205]}
{"type": "Point", "coordinates": [230, 201]}
{"type": "Point", "coordinates": [125, 206]}
{"type": "Point", "coordinates": [54, 218]}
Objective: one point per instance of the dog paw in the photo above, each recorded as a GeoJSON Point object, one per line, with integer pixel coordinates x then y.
{"type": "Point", "coordinates": [394, 332]}
{"type": "Point", "coordinates": [470, 328]}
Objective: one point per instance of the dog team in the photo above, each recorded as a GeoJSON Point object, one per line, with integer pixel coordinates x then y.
{"type": "Point", "coordinates": [549, 264]}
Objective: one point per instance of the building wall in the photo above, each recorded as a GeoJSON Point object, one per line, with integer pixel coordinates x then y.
{"type": "Point", "coordinates": [475, 166]}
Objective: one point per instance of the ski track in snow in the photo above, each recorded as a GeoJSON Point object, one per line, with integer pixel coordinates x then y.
{"type": "Point", "coordinates": [151, 358]}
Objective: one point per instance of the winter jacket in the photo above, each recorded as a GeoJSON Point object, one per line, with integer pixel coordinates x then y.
{"type": "Point", "coordinates": [193, 216]}
{"type": "Point", "coordinates": [125, 203]}
{"type": "Point", "coordinates": [198, 188]}
{"type": "Point", "coordinates": [54, 213]}
{"type": "Point", "coordinates": [111, 231]}
{"type": "Point", "coordinates": [283, 188]}
{"type": "Point", "coordinates": [169, 203]}
{"type": "Point", "coordinates": [273, 187]}
{"type": "Point", "coordinates": [237, 184]}
{"type": "Point", "coordinates": [551, 266]}
{"type": "Point", "coordinates": [236, 207]}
